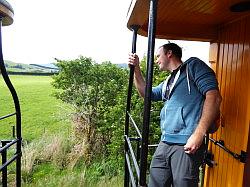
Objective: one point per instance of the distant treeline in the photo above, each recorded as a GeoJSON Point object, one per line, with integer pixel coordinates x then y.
{"type": "Point", "coordinates": [32, 73]}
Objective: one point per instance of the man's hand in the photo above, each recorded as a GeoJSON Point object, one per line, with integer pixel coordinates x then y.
{"type": "Point", "coordinates": [133, 60]}
{"type": "Point", "coordinates": [140, 84]}
{"type": "Point", "coordinates": [193, 143]}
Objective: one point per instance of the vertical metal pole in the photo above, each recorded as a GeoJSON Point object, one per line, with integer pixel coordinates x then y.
{"type": "Point", "coordinates": [4, 171]}
{"type": "Point", "coordinates": [131, 79]}
{"type": "Point", "coordinates": [13, 132]}
{"type": "Point", "coordinates": [18, 111]}
{"type": "Point", "coordinates": [148, 90]}
{"type": "Point", "coordinates": [138, 151]}
{"type": "Point", "coordinates": [19, 151]}
{"type": "Point", "coordinates": [204, 161]}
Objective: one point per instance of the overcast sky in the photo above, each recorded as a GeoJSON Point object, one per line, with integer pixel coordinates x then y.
{"type": "Point", "coordinates": [63, 29]}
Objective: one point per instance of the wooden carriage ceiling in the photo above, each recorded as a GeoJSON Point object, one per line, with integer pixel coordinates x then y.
{"type": "Point", "coordinates": [185, 19]}
{"type": "Point", "coordinates": [7, 12]}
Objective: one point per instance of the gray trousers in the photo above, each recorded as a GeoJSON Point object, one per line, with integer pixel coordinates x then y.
{"type": "Point", "coordinates": [171, 166]}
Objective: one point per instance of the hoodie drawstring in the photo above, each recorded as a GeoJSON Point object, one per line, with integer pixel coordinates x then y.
{"type": "Point", "coordinates": [189, 89]}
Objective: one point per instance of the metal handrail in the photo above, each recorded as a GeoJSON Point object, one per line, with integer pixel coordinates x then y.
{"type": "Point", "coordinates": [130, 85]}
{"type": "Point", "coordinates": [130, 170]}
{"type": "Point", "coordinates": [148, 91]}
{"type": "Point", "coordinates": [242, 157]}
{"type": "Point", "coordinates": [3, 166]}
{"type": "Point", "coordinates": [133, 156]}
{"type": "Point", "coordinates": [18, 141]}
{"type": "Point", "coordinates": [8, 115]}
{"type": "Point", "coordinates": [134, 124]}
{"type": "Point", "coordinates": [8, 145]}
{"type": "Point", "coordinates": [143, 137]}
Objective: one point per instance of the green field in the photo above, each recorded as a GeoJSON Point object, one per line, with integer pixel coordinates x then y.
{"type": "Point", "coordinates": [41, 112]}
{"type": "Point", "coordinates": [47, 135]}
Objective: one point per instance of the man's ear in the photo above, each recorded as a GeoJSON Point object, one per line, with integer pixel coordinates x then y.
{"type": "Point", "coordinates": [169, 53]}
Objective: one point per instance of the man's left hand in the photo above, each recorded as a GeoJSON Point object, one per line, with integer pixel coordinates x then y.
{"type": "Point", "coordinates": [193, 143]}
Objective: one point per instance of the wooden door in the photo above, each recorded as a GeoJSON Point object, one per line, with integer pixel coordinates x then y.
{"type": "Point", "coordinates": [230, 58]}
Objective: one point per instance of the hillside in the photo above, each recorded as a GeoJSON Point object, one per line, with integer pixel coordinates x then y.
{"type": "Point", "coordinates": [37, 68]}
{"type": "Point", "coordinates": [31, 68]}
{"type": "Point", "coordinates": [123, 65]}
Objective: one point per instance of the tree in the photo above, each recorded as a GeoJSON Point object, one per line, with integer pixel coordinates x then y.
{"type": "Point", "coordinates": [97, 92]}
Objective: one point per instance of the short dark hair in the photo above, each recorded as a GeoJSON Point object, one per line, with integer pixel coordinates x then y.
{"type": "Point", "coordinates": [176, 50]}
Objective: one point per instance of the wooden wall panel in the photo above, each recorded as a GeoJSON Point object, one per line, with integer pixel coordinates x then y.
{"type": "Point", "coordinates": [246, 58]}
{"type": "Point", "coordinates": [233, 73]}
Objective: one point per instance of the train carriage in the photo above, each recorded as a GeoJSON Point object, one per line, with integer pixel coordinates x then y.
{"type": "Point", "coordinates": [226, 25]}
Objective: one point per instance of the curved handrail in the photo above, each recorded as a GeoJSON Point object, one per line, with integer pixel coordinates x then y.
{"type": "Point", "coordinates": [18, 140]}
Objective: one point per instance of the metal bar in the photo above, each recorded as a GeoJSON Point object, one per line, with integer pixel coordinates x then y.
{"type": "Point", "coordinates": [134, 124]}
{"type": "Point", "coordinates": [221, 145]}
{"type": "Point", "coordinates": [18, 164]}
{"type": "Point", "coordinates": [9, 161]}
{"type": "Point", "coordinates": [13, 132]}
{"type": "Point", "coordinates": [17, 108]}
{"type": "Point", "coordinates": [130, 170]}
{"type": "Point", "coordinates": [133, 156]}
{"type": "Point", "coordinates": [148, 90]}
{"type": "Point", "coordinates": [138, 139]}
{"type": "Point", "coordinates": [6, 116]}
{"type": "Point", "coordinates": [131, 79]}
{"type": "Point", "coordinates": [4, 171]}
{"type": "Point", "coordinates": [204, 161]}
{"type": "Point", "coordinates": [138, 150]}
{"type": "Point", "coordinates": [7, 145]}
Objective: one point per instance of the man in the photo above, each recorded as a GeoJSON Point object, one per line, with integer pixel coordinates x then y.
{"type": "Point", "coordinates": [191, 105]}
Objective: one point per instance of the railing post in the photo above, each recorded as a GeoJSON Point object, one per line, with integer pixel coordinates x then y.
{"type": "Point", "coordinates": [138, 156]}
{"type": "Point", "coordinates": [18, 111]}
{"type": "Point", "coordinates": [13, 131]}
{"type": "Point", "coordinates": [4, 160]}
{"type": "Point", "coordinates": [148, 90]}
{"type": "Point", "coordinates": [204, 160]}
{"type": "Point", "coordinates": [131, 79]}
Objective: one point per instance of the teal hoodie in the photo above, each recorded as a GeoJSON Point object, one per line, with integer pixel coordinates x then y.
{"type": "Point", "coordinates": [182, 109]}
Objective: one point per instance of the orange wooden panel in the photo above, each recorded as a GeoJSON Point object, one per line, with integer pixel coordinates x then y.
{"type": "Point", "coordinates": [233, 73]}
{"type": "Point", "coordinates": [232, 102]}
{"type": "Point", "coordinates": [211, 174]}
{"type": "Point", "coordinates": [237, 120]}
{"type": "Point", "coordinates": [246, 58]}
{"type": "Point", "coordinates": [222, 166]}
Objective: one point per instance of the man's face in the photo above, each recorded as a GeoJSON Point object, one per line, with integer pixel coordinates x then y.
{"type": "Point", "coordinates": [162, 59]}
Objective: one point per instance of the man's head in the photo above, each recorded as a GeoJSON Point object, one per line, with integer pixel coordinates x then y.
{"type": "Point", "coordinates": [168, 53]}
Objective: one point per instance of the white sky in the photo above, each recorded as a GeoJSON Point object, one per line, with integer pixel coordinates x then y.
{"type": "Point", "coordinates": [65, 29]}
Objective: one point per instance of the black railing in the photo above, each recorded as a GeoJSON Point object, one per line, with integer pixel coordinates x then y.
{"type": "Point", "coordinates": [133, 168]}
{"type": "Point", "coordinates": [128, 175]}
{"type": "Point", "coordinates": [17, 139]}
{"type": "Point", "coordinates": [242, 157]}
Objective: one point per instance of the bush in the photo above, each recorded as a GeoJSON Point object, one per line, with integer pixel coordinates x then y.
{"type": "Point", "coordinates": [98, 94]}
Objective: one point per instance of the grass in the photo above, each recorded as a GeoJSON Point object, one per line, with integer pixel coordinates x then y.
{"type": "Point", "coordinates": [41, 112]}
{"type": "Point", "coordinates": [69, 178]}
{"type": "Point", "coordinates": [48, 159]}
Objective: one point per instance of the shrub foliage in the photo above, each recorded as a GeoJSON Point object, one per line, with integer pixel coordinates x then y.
{"type": "Point", "coordinates": [98, 94]}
